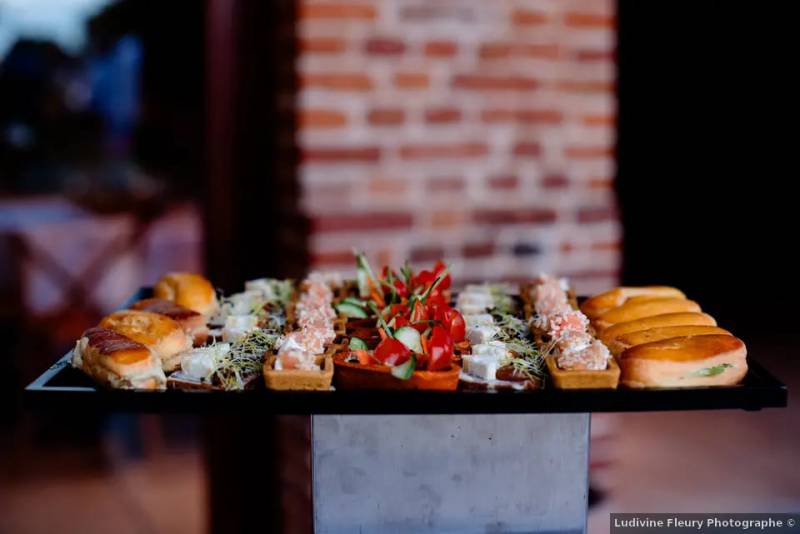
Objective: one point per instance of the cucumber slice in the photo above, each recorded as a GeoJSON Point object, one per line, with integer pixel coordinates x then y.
{"type": "Point", "coordinates": [349, 310]}
{"type": "Point", "coordinates": [355, 302]}
{"type": "Point", "coordinates": [356, 343]}
{"type": "Point", "coordinates": [405, 370]}
{"type": "Point", "coordinates": [363, 285]}
{"type": "Point", "coordinates": [409, 337]}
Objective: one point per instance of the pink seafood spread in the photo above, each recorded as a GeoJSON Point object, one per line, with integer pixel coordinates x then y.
{"type": "Point", "coordinates": [567, 327]}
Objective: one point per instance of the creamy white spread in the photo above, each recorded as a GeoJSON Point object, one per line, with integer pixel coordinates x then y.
{"type": "Point", "coordinates": [202, 362]}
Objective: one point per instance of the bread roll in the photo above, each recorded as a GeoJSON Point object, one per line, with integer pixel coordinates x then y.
{"type": "Point", "coordinates": [117, 361]}
{"type": "Point", "coordinates": [656, 321]}
{"type": "Point", "coordinates": [158, 332]}
{"type": "Point", "coordinates": [630, 311]}
{"type": "Point", "coordinates": [626, 341]}
{"type": "Point", "coordinates": [188, 290]}
{"type": "Point", "coordinates": [599, 304]}
{"type": "Point", "coordinates": [708, 360]}
{"type": "Point", "coordinates": [192, 322]}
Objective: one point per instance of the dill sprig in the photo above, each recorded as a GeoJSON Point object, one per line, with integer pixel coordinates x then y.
{"type": "Point", "coordinates": [244, 359]}
{"type": "Point", "coordinates": [503, 302]}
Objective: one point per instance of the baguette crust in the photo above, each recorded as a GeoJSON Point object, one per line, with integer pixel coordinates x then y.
{"type": "Point", "coordinates": [117, 361]}
{"type": "Point", "coordinates": [622, 343]}
{"type": "Point", "coordinates": [599, 304]}
{"type": "Point", "coordinates": [192, 322]}
{"type": "Point", "coordinates": [631, 311]}
{"type": "Point", "coordinates": [656, 321]}
{"type": "Point", "coordinates": [189, 290]}
{"type": "Point", "coordinates": [158, 332]}
{"type": "Point", "coordinates": [705, 360]}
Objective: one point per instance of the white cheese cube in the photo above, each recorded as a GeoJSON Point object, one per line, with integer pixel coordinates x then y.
{"type": "Point", "coordinates": [478, 319]}
{"type": "Point", "coordinates": [483, 367]}
{"type": "Point", "coordinates": [494, 349]}
{"type": "Point", "coordinates": [481, 334]}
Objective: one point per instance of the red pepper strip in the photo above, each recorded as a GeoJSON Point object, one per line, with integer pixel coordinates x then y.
{"type": "Point", "coordinates": [363, 356]}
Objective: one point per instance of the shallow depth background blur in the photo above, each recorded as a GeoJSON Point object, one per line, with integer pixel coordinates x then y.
{"type": "Point", "coordinates": [264, 138]}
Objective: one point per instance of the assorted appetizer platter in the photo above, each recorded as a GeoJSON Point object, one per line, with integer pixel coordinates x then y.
{"type": "Point", "coordinates": [394, 329]}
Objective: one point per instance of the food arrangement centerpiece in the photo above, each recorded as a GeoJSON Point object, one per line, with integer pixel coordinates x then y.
{"type": "Point", "coordinates": [398, 329]}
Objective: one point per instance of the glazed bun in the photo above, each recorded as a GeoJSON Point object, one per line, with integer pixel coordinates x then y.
{"type": "Point", "coordinates": [626, 341]}
{"type": "Point", "coordinates": [163, 335]}
{"type": "Point", "coordinates": [656, 321]}
{"type": "Point", "coordinates": [192, 322]}
{"type": "Point", "coordinates": [599, 304]}
{"type": "Point", "coordinates": [644, 307]}
{"type": "Point", "coordinates": [189, 290]}
{"type": "Point", "coordinates": [705, 360]}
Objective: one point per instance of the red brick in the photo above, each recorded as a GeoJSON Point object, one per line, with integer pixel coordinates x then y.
{"type": "Point", "coordinates": [446, 183]}
{"type": "Point", "coordinates": [504, 182]}
{"type": "Point", "coordinates": [442, 115]}
{"type": "Point", "coordinates": [447, 218]}
{"type": "Point", "coordinates": [607, 245]}
{"type": "Point", "coordinates": [590, 55]}
{"type": "Point", "coordinates": [599, 120]}
{"type": "Point", "coordinates": [435, 151]}
{"type": "Point", "coordinates": [388, 186]}
{"type": "Point", "coordinates": [515, 216]}
{"type": "Point", "coordinates": [589, 20]}
{"type": "Point", "coordinates": [527, 149]}
{"type": "Point", "coordinates": [588, 152]}
{"type": "Point", "coordinates": [367, 154]}
{"type": "Point", "coordinates": [340, 81]}
{"type": "Point", "coordinates": [441, 48]}
{"type": "Point", "coordinates": [525, 17]}
{"type": "Point", "coordinates": [524, 116]}
{"type": "Point", "coordinates": [498, 50]}
{"type": "Point", "coordinates": [590, 214]}
{"type": "Point", "coordinates": [385, 117]}
{"type": "Point", "coordinates": [336, 257]}
{"type": "Point", "coordinates": [384, 46]}
{"type": "Point", "coordinates": [338, 222]}
{"type": "Point", "coordinates": [586, 86]}
{"type": "Point", "coordinates": [601, 183]}
{"type": "Point", "coordinates": [480, 82]}
{"type": "Point", "coordinates": [567, 247]}
{"type": "Point", "coordinates": [321, 45]}
{"type": "Point", "coordinates": [555, 181]}
{"type": "Point", "coordinates": [321, 118]}
{"type": "Point", "coordinates": [336, 10]}
{"type": "Point", "coordinates": [411, 80]}
{"type": "Point", "coordinates": [426, 254]}
{"type": "Point", "coordinates": [478, 250]}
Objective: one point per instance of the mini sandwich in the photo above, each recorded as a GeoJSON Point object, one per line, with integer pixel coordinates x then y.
{"type": "Point", "coordinates": [641, 308]}
{"type": "Point", "coordinates": [599, 304]}
{"type": "Point", "coordinates": [192, 322]}
{"type": "Point", "coordinates": [158, 332]}
{"type": "Point", "coordinates": [626, 341]}
{"type": "Point", "coordinates": [117, 361]}
{"type": "Point", "coordinates": [188, 290]}
{"type": "Point", "coordinates": [706, 360]}
{"type": "Point", "coordinates": [656, 321]}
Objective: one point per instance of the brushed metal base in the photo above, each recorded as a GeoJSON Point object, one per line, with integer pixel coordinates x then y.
{"type": "Point", "coordinates": [450, 473]}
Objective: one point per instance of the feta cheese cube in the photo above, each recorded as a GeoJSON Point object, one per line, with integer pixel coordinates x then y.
{"type": "Point", "coordinates": [481, 334]}
{"type": "Point", "coordinates": [238, 326]}
{"type": "Point", "coordinates": [495, 349]}
{"type": "Point", "coordinates": [483, 367]}
{"type": "Point", "coordinates": [478, 319]}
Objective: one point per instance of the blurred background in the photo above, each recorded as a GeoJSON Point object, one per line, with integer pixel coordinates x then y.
{"type": "Point", "coordinates": [604, 141]}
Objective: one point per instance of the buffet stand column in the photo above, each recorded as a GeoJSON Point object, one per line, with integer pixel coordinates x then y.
{"type": "Point", "coordinates": [450, 473]}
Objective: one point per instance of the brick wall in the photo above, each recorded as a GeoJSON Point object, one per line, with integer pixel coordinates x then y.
{"type": "Point", "coordinates": [479, 131]}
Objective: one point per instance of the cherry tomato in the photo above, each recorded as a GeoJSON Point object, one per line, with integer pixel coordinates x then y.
{"type": "Point", "coordinates": [391, 352]}
{"type": "Point", "coordinates": [419, 314]}
{"type": "Point", "coordinates": [437, 307]}
{"type": "Point", "coordinates": [437, 270]}
{"type": "Point", "coordinates": [400, 287]}
{"type": "Point", "coordinates": [424, 279]}
{"type": "Point", "coordinates": [440, 349]}
{"type": "Point", "coordinates": [400, 321]}
{"type": "Point", "coordinates": [454, 322]}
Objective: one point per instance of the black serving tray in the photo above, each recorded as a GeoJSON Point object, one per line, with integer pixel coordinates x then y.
{"type": "Point", "coordinates": [62, 387]}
